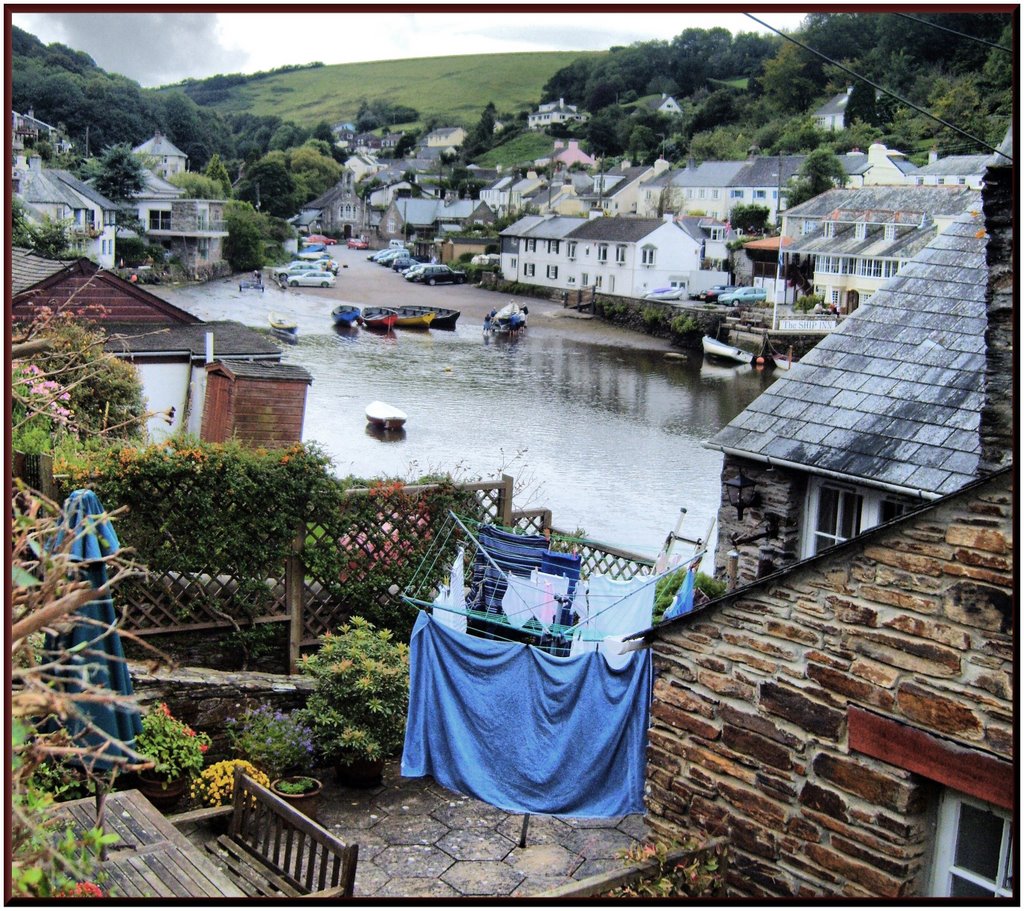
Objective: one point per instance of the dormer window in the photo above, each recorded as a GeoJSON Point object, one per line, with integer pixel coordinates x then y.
{"type": "Point", "coordinates": [860, 230]}
{"type": "Point", "coordinates": [890, 232]}
{"type": "Point", "coordinates": [828, 229]}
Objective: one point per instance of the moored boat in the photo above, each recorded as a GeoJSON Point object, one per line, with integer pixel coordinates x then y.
{"type": "Point", "coordinates": [785, 361]}
{"type": "Point", "coordinates": [444, 318]}
{"type": "Point", "coordinates": [283, 325]}
{"type": "Point", "coordinates": [715, 348]}
{"type": "Point", "coordinates": [345, 315]}
{"type": "Point", "coordinates": [385, 416]}
{"type": "Point", "coordinates": [380, 318]}
{"type": "Point", "coordinates": [414, 317]}
{"type": "Point", "coordinates": [666, 294]}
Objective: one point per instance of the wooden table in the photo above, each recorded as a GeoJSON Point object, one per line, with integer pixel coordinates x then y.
{"type": "Point", "coordinates": [152, 859]}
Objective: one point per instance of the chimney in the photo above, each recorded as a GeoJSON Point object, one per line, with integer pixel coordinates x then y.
{"type": "Point", "coordinates": [933, 156]}
{"type": "Point", "coordinates": [997, 416]}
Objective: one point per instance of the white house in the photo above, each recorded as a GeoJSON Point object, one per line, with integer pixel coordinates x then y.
{"type": "Point", "coordinates": [164, 157]}
{"type": "Point", "coordinates": [831, 115]}
{"type": "Point", "coordinates": [555, 112]}
{"type": "Point", "coordinates": [629, 257]}
{"type": "Point", "coordinates": [953, 170]}
{"type": "Point", "coordinates": [58, 196]}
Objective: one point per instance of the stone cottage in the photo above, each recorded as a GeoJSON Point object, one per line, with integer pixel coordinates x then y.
{"type": "Point", "coordinates": [847, 721]}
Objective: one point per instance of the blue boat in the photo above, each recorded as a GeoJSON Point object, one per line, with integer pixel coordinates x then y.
{"type": "Point", "coordinates": [345, 315]}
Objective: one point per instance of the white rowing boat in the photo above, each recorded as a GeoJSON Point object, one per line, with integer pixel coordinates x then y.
{"type": "Point", "coordinates": [719, 349]}
{"type": "Point", "coordinates": [385, 416]}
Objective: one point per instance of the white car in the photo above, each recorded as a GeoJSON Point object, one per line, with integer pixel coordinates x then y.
{"type": "Point", "coordinates": [295, 268]}
{"type": "Point", "coordinates": [311, 280]}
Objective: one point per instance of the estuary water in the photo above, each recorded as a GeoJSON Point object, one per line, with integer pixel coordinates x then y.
{"type": "Point", "coordinates": [591, 424]}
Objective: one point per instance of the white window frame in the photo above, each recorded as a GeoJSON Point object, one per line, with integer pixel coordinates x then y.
{"type": "Point", "coordinates": [552, 272]}
{"type": "Point", "coordinates": [873, 506]}
{"type": "Point", "coordinates": [620, 254]}
{"type": "Point", "coordinates": [648, 254]}
{"type": "Point", "coordinates": [529, 269]}
{"type": "Point", "coordinates": [602, 253]}
{"type": "Point", "coordinates": [944, 865]}
{"type": "Point", "coordinates": [570, 249]}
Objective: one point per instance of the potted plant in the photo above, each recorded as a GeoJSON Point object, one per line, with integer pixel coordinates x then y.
{"type": "Point", "coordinates": [301, 791]}
{"type": "Point", "coordinates": [279, 743]}
{"type": "Point", "coordinates": [359, 701]}
{"type": "Point", "coordinates": [176, 752]}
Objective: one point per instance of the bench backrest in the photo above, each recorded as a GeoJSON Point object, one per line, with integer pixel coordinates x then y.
{"type": "Point", "coordinates": [289, 842]}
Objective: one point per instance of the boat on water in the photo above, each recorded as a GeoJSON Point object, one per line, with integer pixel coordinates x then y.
{"type": "Point", "coordinates": [345, 315]}
{"type": "Point", "coordinates": [380, 318]}
{"type": "Point", "coordinates": [714, 348]}
{"type": "Point", "coordinates": [283, 325]}
{"type": "Point", "coordinates": [785, 361]}
{"type": "Point", "coordinates": [385, 416]}
{"type": "Point", "coordinates": [510, 318]}
{"type": "Point", "coordinates": [414, 317]}
{"type": "Point", "coordinates": [444, 318]}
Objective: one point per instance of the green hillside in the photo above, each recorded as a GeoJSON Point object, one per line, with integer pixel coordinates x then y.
{"type": "Point", "coordinates": [454, 88]}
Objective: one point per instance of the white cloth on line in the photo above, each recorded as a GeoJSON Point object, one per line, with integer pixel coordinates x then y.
{"type": "Point", "coordinates": [451, 599]}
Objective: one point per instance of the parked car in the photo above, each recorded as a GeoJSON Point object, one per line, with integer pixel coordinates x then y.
{"type": "Point", "coordinates": [401, 263]}
{"type": "Point", "coordinates": [315, 279]}
{"type": "Point", "coordinates": [439, 275]}
{"type": "Point", "coordinates": [410, 274]}
{"type": "Point", "coordinates": [357, 243]}
{"type": "Point", "coordinates": [294, 268]}
{"type": "Point", "coordinates": [389, 256]}
{"type": "Point", "coordinates": [711, 295]}
{"type": "Point", "coordinates": [321, 260]}
{"type": "Point", "coordinates": [378, 255]}
{"type": "Point", "coordinates": [743, 296]}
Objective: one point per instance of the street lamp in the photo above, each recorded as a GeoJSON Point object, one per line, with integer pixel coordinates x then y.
{"type": "Point", "coordinates": [742, 492]}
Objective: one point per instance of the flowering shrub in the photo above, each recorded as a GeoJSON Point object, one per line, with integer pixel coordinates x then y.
{"type": "Point", "coordinates": [276, 742]}
{"type": "Point", "coordinates": [39, 409]}
{"type": "Point", "coordinates": [172, 746]}
{"type": "Point", "coordinates": [359, 703]}
{"type": "Point", "coordinates": [81, 890]}
{"type": "Point", "coordinates": [215, 786]}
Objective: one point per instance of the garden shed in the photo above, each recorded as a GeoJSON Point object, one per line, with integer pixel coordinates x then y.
{"type": "Point", "coordinates": [262, 404]}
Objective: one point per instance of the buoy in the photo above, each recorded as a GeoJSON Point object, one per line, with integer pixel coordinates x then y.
{"type": "Point", "coordinates": [448, 369]}
{"type": "Point", "coordinates": [760, 360]}
{"type": "Point", "coordinates": [134, 278]}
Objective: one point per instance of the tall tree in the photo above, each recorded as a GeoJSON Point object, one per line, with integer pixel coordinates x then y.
{"type": "Point", "coordinates": [120, 174]}
{"type": "Point", "coordinates": [821, 171]}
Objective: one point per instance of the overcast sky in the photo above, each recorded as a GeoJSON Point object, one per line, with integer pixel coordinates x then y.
{"type": "Point", "coordinates": [160, 48]}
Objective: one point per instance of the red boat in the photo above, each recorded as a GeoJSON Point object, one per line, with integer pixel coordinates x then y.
{"type": "Point", "coordinates": [378, 318]}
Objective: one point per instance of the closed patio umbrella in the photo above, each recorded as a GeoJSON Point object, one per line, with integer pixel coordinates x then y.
{"type": "Point", "coordinates": [90, 655]}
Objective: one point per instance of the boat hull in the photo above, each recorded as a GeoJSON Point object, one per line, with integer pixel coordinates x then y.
{"type": "Point", "coordinates": [443, 318]}
{"type": "Point", "coordinates": [715, 348]}
{"type": "Point", "coordinates": [385, 416]}
{"type": "Point", "coordinates": [345, 316]}
{"type": "Point", "coordinates": [283, 326]}
{"type": "Point", "coordinates": [378, 318]}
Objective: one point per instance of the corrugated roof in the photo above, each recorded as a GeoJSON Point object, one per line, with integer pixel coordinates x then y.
{"type": "Point", "coordinates": [894, 396]}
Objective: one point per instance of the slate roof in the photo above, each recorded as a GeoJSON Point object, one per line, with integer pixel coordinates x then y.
{"type": "Point", "coordinates": [894, 396]}
{"type": "Point", "coordinates": [956, 166]}
{"type": "Point", "coordinates": [555, 228]}
{"type": "Point", "coordinates": [835, 105]}
{"type": "Point", "coordinates": [763, 171]}
{"type": "Point", "coordinates": [621, 230]}
{"type": "Point", "coordinates": [230, 339]}
{"type": "Point", "coordinates": [159, 145]}
{"type": "Point", "coordinates": [52, 185]}
{"type": "Point", "coordinates": [903, 204]}
{"type": "Point", "coordinates": [28, 269]}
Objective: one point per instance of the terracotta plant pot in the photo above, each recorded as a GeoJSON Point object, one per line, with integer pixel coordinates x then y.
{"type": "Point", "coordinates": [308, 802]}
{"type": "Point", "coordinates": [357, 772]}
{"type": "Point", "coordinates": [165, 794]}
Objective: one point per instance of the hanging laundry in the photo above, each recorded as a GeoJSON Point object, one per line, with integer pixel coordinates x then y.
{"type": "Point", "coordinates": [615, 607]}
{"type": "Point", "coordinates": [525, 731]}
{"type": "Point", "coordinates": [683, 601]}
{"type": "Point", "coordinates": [451, 600]}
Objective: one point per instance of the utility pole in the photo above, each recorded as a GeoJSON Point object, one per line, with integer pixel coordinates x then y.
{"type": "Point", "coordinates": [778, 264]}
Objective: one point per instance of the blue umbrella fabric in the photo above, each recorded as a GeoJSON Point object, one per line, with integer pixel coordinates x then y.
{"type": "Point", "coordinates": [92, 650]}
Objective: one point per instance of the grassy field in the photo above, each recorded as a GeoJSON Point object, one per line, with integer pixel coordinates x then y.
{"type": "Point", "coordinates": [522, 149]}
{"type": "Point", "coordinates": [454, 88]}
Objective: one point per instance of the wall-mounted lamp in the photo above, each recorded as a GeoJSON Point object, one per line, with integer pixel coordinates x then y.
{"type": "Point", "coordinates": [742, 492]}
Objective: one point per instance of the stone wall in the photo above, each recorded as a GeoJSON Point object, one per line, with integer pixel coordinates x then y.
{"type": "Point", "coordinates": [205, 698]}
{"type": "Point", "coordinates": [754, 694]}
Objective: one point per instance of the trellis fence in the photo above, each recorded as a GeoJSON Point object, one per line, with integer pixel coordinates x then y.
{"type": "Point", "coordinates": [327, 572]}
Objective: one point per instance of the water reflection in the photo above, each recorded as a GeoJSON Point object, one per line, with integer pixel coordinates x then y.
{"type": "Point", "coordinates": [608, 438]}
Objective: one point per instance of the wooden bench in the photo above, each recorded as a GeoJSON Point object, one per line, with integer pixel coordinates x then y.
{"type": "Point", "coordinates": [273, 850]}
{"type": "Point", "coordinates": [257, 286]}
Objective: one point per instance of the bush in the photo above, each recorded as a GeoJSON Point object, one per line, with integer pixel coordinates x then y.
{"type": "Point", "coordinates": [808, 302]}
{"type": "Point", "coordinates": [132, 251]}
{"type": "Point", "coordinates": [274, 741]}
{"type": "Point", "coordinates": [215, 785]}
{"type": "Point", "coordinates": [361, 694]}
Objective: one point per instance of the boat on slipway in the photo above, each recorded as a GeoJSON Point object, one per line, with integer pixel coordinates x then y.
{"type": "Point", "coordinates": [510, 318]}
{"type": "Point", "coordinates": [414, 317]}
{"type": "Point", "coordinates": [385, 416]}
{"type": "Point", "coordinates": [714, 348]}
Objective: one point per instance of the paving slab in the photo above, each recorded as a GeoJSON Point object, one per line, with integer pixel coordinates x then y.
{"type": "Point", "coordinates": [544, 860]}
{"type": "Point", "coordinates": [415, 861]}
{"type": "Point", "coordinates": [482, 878]}
{"type": "Point", "coordinates": [476, 844]}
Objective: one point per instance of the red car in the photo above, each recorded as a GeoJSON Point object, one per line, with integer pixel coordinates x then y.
{"type": "Point", "coordinates": [357, 243]}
